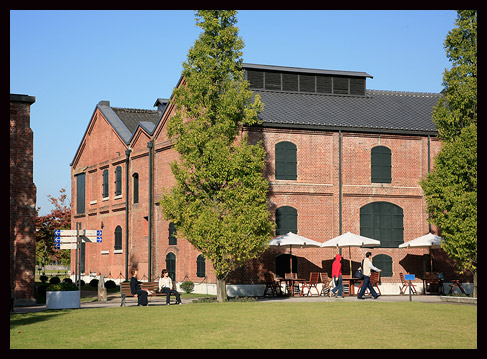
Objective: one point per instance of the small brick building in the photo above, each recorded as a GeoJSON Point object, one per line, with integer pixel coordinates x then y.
{"type": "Point", "coordinates": [341, 158]}
{"type": "Point", "coordinates": [22, 202]}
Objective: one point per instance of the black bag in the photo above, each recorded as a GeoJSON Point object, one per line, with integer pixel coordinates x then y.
{"type": "Point", "coordinates": [359, 274]}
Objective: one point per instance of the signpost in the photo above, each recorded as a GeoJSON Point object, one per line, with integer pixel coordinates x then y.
{"type": "Point", "coordinates": [410, 277]}
{"type": "Point", "coordinates": [72, 239]}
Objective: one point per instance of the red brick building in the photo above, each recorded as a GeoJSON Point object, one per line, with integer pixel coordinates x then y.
{"type": "Point", "coordinates": [340, 158]}
{"type": "Point", "coordinates": [22, 202]}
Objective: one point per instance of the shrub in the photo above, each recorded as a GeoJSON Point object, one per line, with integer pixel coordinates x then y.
{"type": "Point", "coordinates": [187, 286]}
{"type": "Point", "coordinates": [62, 287]}
{"type": "Point", "coordinates": [67, 280]}
{"type": "Point", "coordinates": [94, 282]}
{"type": "Point", "coordinates": [110, 284]}
{"type": "Point", "coordinates": [55, 280]}
{"type": "Point", "coordinates": [43, 278]}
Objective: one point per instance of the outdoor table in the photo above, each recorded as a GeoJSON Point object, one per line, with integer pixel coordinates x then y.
{"type": "Point", "coordinates": [351, 283]}
{"type": "Point", "coordinates": [290, 284]}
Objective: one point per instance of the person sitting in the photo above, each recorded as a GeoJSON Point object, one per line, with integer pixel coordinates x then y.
{"type": "Point", "coordinates": [165, 286]}
{"type": "Point", "coordinates": [136, 290]}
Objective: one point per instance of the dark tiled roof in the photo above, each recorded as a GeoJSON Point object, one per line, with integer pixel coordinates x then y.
{"type": "Point", "coordinates": [131, 117]}
{"type": "Point", "coordinates": [126, 120]}
{"type": "Point", "coordinates": [387, 111]}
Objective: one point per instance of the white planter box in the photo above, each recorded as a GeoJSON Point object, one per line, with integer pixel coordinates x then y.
{"type": "Point", "coordinates": [62, 299]}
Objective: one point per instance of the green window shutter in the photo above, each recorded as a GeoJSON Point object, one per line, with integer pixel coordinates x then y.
{"type": "Point", "coordinates": [80, 193]}
{"type": "Point", "coordinates": [118, 238]}
{"type": "Point", "coordinates": [105, 183]}
{"type": "Point", "coordinates": [171, 265]}
{"type": "Point", "coordinates": [172, 234]}
{"type": "Point", "coordinates": [381, 165]}
{"type": "Point", "coordinates": [382, 221]}
{"type": "Point", "coordinates": [118, 181]}
{"type": "Point", "coordinates": [286, 220]}
{"type": "Point", "coordinates": [384, 262]}
{"type": "Point", "coordinates": [136, 187]}
{"type": "Point", "coordinates": [286, 163]}
{"type": "Point", "coordinates": [366, 224]}
{"type": "Point", "coordinates": [200, 266]}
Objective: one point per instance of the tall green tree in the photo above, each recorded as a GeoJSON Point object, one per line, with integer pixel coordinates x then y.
{"type": "Point", "coordinates": [219, 202]}
{"type": "Point", "coordinates": [451, 187]}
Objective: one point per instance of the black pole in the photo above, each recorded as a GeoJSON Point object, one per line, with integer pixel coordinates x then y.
{"type": "Point", "coordinates": [150, 145]}
{"type": "Point", "coordinates": [127, 153]}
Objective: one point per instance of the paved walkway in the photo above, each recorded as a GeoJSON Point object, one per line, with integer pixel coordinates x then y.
{"type": "Point", "coordinates": [113, 300]}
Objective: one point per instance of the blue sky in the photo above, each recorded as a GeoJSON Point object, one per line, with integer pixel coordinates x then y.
{"type": "Point", "coordinates": [70, 60]}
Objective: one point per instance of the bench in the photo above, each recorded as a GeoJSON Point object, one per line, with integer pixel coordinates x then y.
{"type": "Point", "coordinates": [126, 293]}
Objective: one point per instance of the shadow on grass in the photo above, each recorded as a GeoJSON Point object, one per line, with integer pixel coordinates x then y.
{"type": "Point", "coordinates": [20, 319]}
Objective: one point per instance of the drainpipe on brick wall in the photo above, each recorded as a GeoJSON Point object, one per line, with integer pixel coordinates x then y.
{"type": "Point", "coordinates": [127, 153]}
{"type": "Point", "coordinates": [150, 145]}
{"type": "Point", "coordinates": [429, 169]}
{"type": "Point", "coordinates": [340, 181]}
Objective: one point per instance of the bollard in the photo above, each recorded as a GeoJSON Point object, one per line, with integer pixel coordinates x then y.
{"type": "Point", "coordinates": [102, 291]}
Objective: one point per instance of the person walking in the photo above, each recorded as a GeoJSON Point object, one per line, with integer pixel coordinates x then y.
{"type": "Point", "coordinates": [336, 272]}
{"type": "Point", "coordinates": [367, 267]}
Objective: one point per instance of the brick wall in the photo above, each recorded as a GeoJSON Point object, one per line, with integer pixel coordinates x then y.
{"type": "Point", "coordinates": [315, 196]}
{"type": "Point", "coordinates": [22, 202]}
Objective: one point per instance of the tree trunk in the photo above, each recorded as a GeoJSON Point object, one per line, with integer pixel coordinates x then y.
{"type": "Point", "coordinates": [475, 284]}
{"type": "Point", "coordinates": [221, 290]}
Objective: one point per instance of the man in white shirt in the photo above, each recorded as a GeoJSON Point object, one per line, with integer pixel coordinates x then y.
{"type": "Point", "coordinates": [366, 269]}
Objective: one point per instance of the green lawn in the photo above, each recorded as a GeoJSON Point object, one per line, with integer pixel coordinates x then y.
{"type": "Point", "coordinates": [251, 325]}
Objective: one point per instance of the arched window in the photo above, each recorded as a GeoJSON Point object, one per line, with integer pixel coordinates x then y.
{"type": "Point", "coordinates": [384, 262]}
{"type": "Point", "coordinates": [171, 265]}
{"type": "Point", "coordinates": [105, 184]}
{"type": "Point", "coordinates": [118, 238]}
{"type": "Point", "coordinates": [136, 187]}
{"type": "Point", "coordinates": [382, 221]}
{"type": "Point", "coordinates": [380, 165]}
{"type": "Point", "coordinates": [118, 181]}
{"type": "Point", "coordinates": [286, 220]}
{"type": "Point", "coordinates": [286, 162]}
{"type": "Point", "coordinates": [200, 266]}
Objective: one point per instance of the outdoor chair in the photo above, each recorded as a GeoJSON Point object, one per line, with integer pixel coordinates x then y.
{"type": "Point", "coordinates": [295, 285]}
{"type": "Point", "coordinates": [314, 278]}
{"type": "Point", "coordinates": [325, 280]}
{"type": "Point", "coordinates": [405, 285]}
{"type": "Point", "coordinates": [272, 284]}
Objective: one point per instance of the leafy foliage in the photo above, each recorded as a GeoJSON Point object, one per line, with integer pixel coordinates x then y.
{"type": "Point", "coordinates": [219, 202]}
{"type": "Point", "coordinates": [59, 218]}
{"type": "Point", "coordinates": [458, 108]}
{"type": "Point", "coordinates": [451, 188]}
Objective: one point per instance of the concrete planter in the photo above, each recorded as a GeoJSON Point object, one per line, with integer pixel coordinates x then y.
{"type": "Point", "coordinates": [62, 299]}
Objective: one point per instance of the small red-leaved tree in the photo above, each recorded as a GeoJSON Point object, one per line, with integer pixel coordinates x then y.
{"type": "Point", "coordinates": [59, 218]}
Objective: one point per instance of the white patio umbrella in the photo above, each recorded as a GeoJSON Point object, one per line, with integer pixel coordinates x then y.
{"type": "Point", "coordinates": [351, 240]}
{"type": "Point", "coordinates": [293, 240]}
{"type": "Point", "coordinates": [429, 240]}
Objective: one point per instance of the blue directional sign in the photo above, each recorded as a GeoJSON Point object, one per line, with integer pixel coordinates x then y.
{"type": "Point", "coordinates": [409, 277]}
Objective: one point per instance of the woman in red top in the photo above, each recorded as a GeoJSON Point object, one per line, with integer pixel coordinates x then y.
{"type": "Point", "coordinates": [336, 272]}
